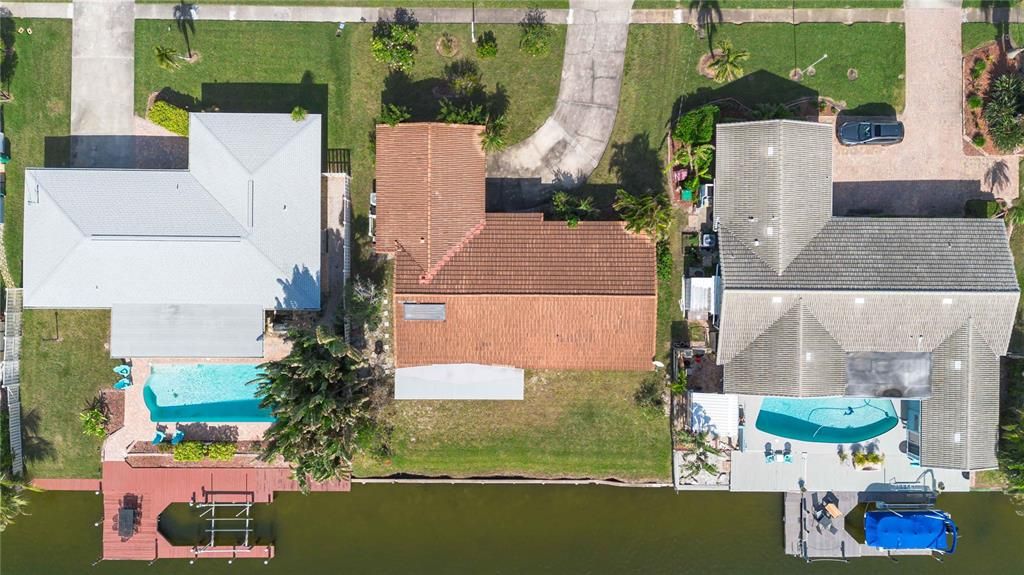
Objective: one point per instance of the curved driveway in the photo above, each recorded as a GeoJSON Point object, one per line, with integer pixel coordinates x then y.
{"type": "Point", "coordinates": [928, 174]}
{"type": "Point", "coordinates": [570, 143]}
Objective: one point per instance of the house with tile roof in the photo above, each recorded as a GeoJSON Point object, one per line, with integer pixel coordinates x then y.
{"type": "Point", "coordinates": [481, 289]}
{"type": "Point", "coordinates": [916, 311]}
{"type": "Point", "coordinates": [188, 260]}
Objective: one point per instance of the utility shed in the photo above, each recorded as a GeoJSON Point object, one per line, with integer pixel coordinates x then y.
{"type": "Point", "coordinates": [186, 330]}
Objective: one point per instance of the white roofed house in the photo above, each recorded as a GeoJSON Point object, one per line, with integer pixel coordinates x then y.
{"type": "Point", "coordinates": [912, 311]}
{"type": "Point", "coordinates": [189, 260]}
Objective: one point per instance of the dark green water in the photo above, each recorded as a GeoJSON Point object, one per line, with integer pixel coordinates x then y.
{"type": "Point", "coordinates": [512, 529]}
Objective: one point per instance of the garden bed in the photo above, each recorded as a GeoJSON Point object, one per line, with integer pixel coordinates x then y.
{"type": "Point", "coordinates": [976, 86]}
{"type": "Point", "coordinates": [145, 454]}
{"type": "Point", "coordinates": [113, 402]}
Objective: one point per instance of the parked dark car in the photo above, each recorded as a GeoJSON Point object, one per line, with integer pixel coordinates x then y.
{"type": "Point", "coordinates": [883, 132]}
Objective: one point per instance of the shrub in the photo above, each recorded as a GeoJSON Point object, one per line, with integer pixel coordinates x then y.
{"type": "Point", "coordinates": [679, 386]}
{"type": "Point", "coordinates": [394, 43]}
{"type": "Point", "coordinates": [978, 140]}
{"type": "Point", "coordinates": [487, 45]}
{"type": "Point", "coordinates": [981, 208]}
{"type": "Point", "coordinates": [364, 302]}
{"type": "Point", "coordinates": [1002, 112]}
{"type": "Point", "coordinates": [697, 126]}
{"type": "Point", "coordinates": [863, 458]}
{"type": "Point", "coordinates": [169, 116]}
{"type": "Point", "coordinates": [978, 69]}
{"type": "Point", "coordinates": [974, 101]}
{"type": "Point", "coordinates": [535, 34]}
{"type": "Point", "coordinates": [94, 423]}
{"type": "Point", "coordinates": [299, 113]}
{"type": "Point", "coordinates": [664, 260]}
{"type": "Point", "coordinates": [221, 451]}
{"type": "Point", "coordinates": [189, 451]}
{"type": "Point", "coordinates": [650, 393]}
{"type": "Point", "coordinates": [465, 78]}
{"type": "Point", "coordinates": [572, 209]}
{"type": "Point", "coordinates": [493, 138]}
{"type": "Point", "coordinates": [393, 114]}
{"type": "Point", "coordinates": [465, 113]}
{"type": "Point", "coordinates": [446, 45]}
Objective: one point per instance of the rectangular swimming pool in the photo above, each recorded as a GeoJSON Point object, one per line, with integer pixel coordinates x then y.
{"type": "Point", "coordinates": [204, 392]}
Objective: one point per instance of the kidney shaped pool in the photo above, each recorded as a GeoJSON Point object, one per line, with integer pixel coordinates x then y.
{"type": "Point", "coordinates": [827, 420]}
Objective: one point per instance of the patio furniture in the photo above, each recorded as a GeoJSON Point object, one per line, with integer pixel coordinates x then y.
{"type": "Point", "coordinates": [123, 370]}
{"type": "Point", "coordinates": [126, 522]}
{"type": "Point", "coordinates": [832, 511]}
{"type": "Point", "coordinates": [123, 383]}
{"type": "Point", "coordinates": [178, 436]}
{"type": "Point", "coordinates": [159, 437]}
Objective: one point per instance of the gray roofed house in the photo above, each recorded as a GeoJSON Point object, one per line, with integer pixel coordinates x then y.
{"type": "Point", "coordinates": [240, 227]}
{"type": "Point", "coordinates": [812, 301]}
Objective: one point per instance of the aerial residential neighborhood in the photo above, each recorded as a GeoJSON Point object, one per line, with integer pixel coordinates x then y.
{"type": "Point", "coordinates": [503, 286]}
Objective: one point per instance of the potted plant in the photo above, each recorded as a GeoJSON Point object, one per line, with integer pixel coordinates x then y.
{"type": "Point", "coordinates": [868, 461]}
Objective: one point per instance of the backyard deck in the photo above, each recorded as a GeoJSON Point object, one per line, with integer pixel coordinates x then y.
{"type": "Point", "coordinates": [156, 488]}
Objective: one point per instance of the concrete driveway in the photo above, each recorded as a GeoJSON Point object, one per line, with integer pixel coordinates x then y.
{"type": "Point", "coordinates": [927, 174]}
{"type": "Point", "coordinates": [102, 67]}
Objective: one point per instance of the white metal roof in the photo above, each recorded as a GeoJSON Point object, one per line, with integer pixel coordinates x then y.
{"type": "Point", "coordinates": [241, 225]}
{"type": "Point", "coordinates": [172, 330]}
{"type": "Point", "coordinates": [715, 413]}
{"type": "Point", "coordinates": [459, 381]}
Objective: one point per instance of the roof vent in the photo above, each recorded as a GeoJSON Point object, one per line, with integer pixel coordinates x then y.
{"type": "Point", "coordinates": [757, 242]}
{"type": "Point", "coordinates": [956, 365]}
{"type": "Point", "coordinates": [858, 300]}
{"type": "Point", "coordinates": [771, 151]}
{"type": "Point", "coordinates": [947, 301]}
{"type": "Point", "coordinates": [769, 231]}
{"type": "Point", "coordinates": [776, 299]}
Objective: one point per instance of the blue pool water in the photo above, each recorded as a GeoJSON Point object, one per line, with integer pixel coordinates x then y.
{"type": "Point", "coordinates": [826, 420]}
{"type": "Point", "coordinates": [198, 393]}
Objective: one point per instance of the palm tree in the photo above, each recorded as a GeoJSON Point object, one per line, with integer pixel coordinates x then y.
{"type": "Point", "coordinates": [12, 503]}
{"type": "Point", "coordinates": [319, 404]}
{"type": "Point", "coordinates": [726, 65]}
{"type": "Point", "coordinates": [1014, 216]}
{"type": "Point", "coordinates": [166, 58]}
{"type": "Point", "coordinates": [701, 451]}
{"type": "Point", "coordinates": [695, 157]}
{"type": "Point", "coordinates": [648, 214]}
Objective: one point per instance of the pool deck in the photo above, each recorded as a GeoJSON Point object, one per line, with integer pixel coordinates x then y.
{"type": "Point", "coordinates": [817, 465]}
{"type": "Point", "coordinates": [156, 488]}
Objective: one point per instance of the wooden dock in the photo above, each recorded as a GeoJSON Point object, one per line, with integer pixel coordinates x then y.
{"type": "Point", "coordinates": [157, 487]}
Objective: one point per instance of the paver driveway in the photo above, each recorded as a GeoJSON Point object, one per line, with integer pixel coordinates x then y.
{"type": "Point", "coordinates": [928, 174]}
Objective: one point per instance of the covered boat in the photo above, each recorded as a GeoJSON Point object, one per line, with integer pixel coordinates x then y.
{"type": "Point", "coordinates": [911, 529]}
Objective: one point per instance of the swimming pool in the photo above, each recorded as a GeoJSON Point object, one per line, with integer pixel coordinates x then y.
{"type": "Point", "coordinates": [198, 392]}
{"type": "Point", "coordinates": [827, 420]}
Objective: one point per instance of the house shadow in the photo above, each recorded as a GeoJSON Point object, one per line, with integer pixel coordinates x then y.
{"type": "Point", "coordinates": [906, 198]}
{"type": "Point", "coordinates": [997, 13]}
{"type": "Point", "coordinates": [742, 98]}
{"type": "Point", "coordinates": [116, 152]}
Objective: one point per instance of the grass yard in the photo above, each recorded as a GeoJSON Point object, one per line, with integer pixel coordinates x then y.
{"type": "Point", "coordinates": [570, 424]}
{"type": "Point", "coordinates": [974, 34]}
{"type": "Point", "coordinates": [41, 88]}
{"type": "Point", "coordinates": [342, 79]}
{"type": "Point", "coordinates": [65, 364]}
{"type": "Point", "coordinates": [549, 4]}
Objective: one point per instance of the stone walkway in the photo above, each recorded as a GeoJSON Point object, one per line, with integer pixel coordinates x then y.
{"type": "Point", "coordinates": [928, 174]}
{"type": "Point", "coordinates": [571, 142]}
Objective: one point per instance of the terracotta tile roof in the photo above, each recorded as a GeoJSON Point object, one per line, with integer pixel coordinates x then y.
{"type": "Point", "coordinates": [534, 332]}
{"type": "Point", "coordinates": [523, 254]}
{"type": "Point", "coordinates": [430, 189]}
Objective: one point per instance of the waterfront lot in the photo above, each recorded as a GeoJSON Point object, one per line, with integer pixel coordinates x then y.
{"type": "Point", "coordinates": [570, 425]}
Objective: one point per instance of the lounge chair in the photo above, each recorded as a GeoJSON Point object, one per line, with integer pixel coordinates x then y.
{"type": "Point", "coordinates": [123, 383]}
{"type": "Point", "coordinates": [159, 438]}
{"type": "Point", "coordinates": [787, 458]}
{"type": "Point", "coordinates": [769, 457]}
{"type": "Point", "coordinates": [178, 436]}
{"type": "Point", "coordinates": [123, 370]}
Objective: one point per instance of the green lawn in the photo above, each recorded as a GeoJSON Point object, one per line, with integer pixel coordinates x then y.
{"type": "Point", "coordinates": [570, 424]}
{"type": "Point", "coordinates": [548, 4]}
{"type": "Point", "coordinates": [975, 34]}
{"type": "Point", "coordinates": [342, 78]}
{"type": "Point", "coordinates": [777, 4]}
{"type": "Point", "coordinates": [41, 87]}
{"type": "Point", "coordinates": [64, 365]}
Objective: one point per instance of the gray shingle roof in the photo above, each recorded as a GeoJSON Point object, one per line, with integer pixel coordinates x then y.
{"type": "Point", "coordinates": [797, 300]}
{"type": "Point", "coordinates": [241, 225]}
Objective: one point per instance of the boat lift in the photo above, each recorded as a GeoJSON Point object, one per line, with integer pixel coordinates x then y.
{"type": "Point", "coordinates": [226, 517]}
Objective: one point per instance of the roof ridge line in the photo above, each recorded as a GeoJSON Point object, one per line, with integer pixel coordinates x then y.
{"type": "Point", "coordinates": [430, 188]}
{"type": "Point", "coordinates": [428, 275]}
{"type": "Point", "coordinates": [797, 303]}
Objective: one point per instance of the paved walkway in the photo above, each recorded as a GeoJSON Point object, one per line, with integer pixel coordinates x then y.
{"type": "Point", "coordinates": [103, 67]}
{"type": "Point", "coordinates": [571, 142]}
{"type": "Point", "coordinates": [928, 174]}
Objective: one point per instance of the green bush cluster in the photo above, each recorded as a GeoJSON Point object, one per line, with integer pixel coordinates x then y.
{"type": "Point", "coordinates": [94, 423]}
{"type": "Point", "coordinates": [664, 252]}
{"type": "Point", "coordinates": [862, 458]}
{"type": "Point", "coordinates": [697, 126]}
{"type": "Point", "coordinates": [650, 394]}
{"type": "Point", "coordinates": [978, 69]}
{"type": "Point", "coordinates": [1002, 113]}
{"type": "Point", "coordinates": [169, 116]}
{"type": "Point", "coordinates": [535, 33]}
{"type": "Point", "coordinates": [299, 113]}
{"type": "Point", "coordinates": [487, 45]}
{"type": "Point", "coordinates": [198, 451]}
{"type": "Point", "coordinates": [981, 208]}
{"type": "Point", "coordinates": [453, 112]}
{"type": "Point", "coordinates": [393, 114]}
{"type": "Point", "coordinates": [572, 209]}
{"type": "Point", "coordinates": [394, 43]}
{"type": "Point", "coordinates": [974, 101]}
{"type": "Point", "coordinates": [978, 140]}
{"type": "Point", "coordinates": [493, 138]}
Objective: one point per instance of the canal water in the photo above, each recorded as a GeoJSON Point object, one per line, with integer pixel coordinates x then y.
{"type": "Point", "coordinates": [510, 529]}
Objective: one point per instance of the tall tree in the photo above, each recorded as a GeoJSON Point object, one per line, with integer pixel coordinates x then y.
{"type": "Point", "coordinates": [319, 404]}
{"type": "Point", "coordinates": [12, 502]}
{"type": "Point", "coordinates": [727, 63]}
{"type": "Point", "coordinates": [648, 214]}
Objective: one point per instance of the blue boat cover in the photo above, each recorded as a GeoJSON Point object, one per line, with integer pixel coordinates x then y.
{"type": "Point", "coordinates": [910, 530]}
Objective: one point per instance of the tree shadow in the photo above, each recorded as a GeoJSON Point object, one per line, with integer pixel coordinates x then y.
{"type": "Point", "coordinates": [206, 432]}
{"type": "Point", "coordinates": [34, 446]}
{"type": "Point", "coordinates": [9, 60]}
{"type": "Point", "coordinates": [184, 18]}
{"type": "Point", "coordinates": [997, 175]}
{"type": "Point", "coordinates": [997, 13]}
{"type": "Point", "coordinates": [301, 290]}
{"type": "Point", "coordinates": [421, 97]}
{"type": "Point", "coordinates": [637, 165]}
{"type": "Point", "coordinates": [709, 15]}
